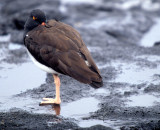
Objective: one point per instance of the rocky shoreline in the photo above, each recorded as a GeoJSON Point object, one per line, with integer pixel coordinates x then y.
{"type": "Point", "coordinates": [113, 31]}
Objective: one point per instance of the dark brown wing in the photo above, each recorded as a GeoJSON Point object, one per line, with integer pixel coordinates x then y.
{"type": "Point", "coordinates": [60, 47]}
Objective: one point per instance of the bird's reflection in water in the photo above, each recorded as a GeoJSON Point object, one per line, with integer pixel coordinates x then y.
{"type": "Point", "coordinates": [56, 108]}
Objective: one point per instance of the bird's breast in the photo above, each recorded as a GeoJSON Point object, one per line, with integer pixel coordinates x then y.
{"type": "Point", "coordinates": [41, 66]}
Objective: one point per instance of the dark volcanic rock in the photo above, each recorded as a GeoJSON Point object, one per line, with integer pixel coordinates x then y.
{"type": "Point", "coordinates": [157, 43]}
{"type": "Point", "coordinates": [152, 125]}
{"type": "Point", "coordinates": [97, 127]}
{"type": "Point", "coordinates": [152, 88]}
{"type": "Point", "coordinates": [13, 120]}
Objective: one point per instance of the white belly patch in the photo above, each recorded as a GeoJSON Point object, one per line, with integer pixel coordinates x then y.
{"type": "Point", "coordinates": [41, 66]}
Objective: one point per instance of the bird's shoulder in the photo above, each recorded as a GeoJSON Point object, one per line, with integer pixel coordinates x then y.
{"type": "Point", "coordinates": [65, 28]}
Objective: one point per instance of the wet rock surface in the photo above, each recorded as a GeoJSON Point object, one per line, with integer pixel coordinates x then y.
{"type": "Point", "coordinates": [113, 31]}
{"type": "Point", "coordinates": [17, 119]}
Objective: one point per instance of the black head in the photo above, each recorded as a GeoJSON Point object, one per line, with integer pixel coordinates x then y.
{"type": "Point", "coordinates": [35, 18]}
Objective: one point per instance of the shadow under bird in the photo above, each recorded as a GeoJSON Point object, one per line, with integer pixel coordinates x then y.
{"type": "Point", "coordinates": [58, 48]}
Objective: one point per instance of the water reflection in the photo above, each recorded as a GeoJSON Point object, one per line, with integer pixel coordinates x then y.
{"type": "Point", "coordinates": [75, 109]}
{"type": "Point", "coordinates": [55, 107]}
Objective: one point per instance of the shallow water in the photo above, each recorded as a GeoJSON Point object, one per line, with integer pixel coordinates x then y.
{"type": "Point", "coordinates": [151, 58]}
{"type": "Point", "coordinates": [108, 123]}
{"type": "Point", "coordinates": [134, 74]}
{"type": "Point", "coordinates": [80, 108]}
{"type": "Point", "coordinates": [100, 91]}
{"type": "Point", "coordinates": [144, 100]}
{"type": "Point", "coordinates": [152, 35]}
{"type": "Point", "coordinates": [5, 38]}
{"type": "Point", "coordinates": [89, 123]}
{"type": "Point", "coordinates": [17, 78]}
{"type": "Point", "coordinates": [13, 46]}
{"type": "Point", "coordinates": [76, 109]}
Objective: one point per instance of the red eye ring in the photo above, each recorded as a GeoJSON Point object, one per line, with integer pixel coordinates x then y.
{"type": "Point", "coordinates": [34, 18]}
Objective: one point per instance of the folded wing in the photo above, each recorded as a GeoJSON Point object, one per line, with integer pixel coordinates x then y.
{"type": "Point", "coordinates": [60, 47]}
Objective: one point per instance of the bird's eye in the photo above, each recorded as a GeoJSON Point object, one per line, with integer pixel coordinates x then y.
{"type": "Point", "coordinates": [34, 18]}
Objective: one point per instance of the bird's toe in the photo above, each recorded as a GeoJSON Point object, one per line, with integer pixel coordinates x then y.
{"type": "Point", "coordinates": [50, 101]}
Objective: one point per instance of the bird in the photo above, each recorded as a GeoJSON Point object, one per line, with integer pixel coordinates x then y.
{"type": "Point", "coordinates": [58, 48]}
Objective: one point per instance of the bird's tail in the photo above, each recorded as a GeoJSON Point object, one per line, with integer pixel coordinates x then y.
{"type": "Point", "coordinates": [96, 84]}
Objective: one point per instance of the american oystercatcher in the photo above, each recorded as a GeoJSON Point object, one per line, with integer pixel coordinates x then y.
{"type": "Point", "coordinates": [58, 48]}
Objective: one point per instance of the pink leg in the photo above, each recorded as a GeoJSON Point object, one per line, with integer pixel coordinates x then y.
{"type": "Point", "coordinates": [57, 100]}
